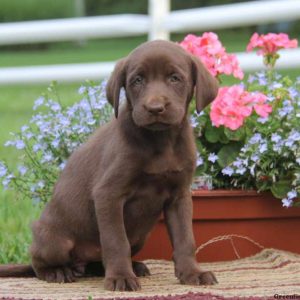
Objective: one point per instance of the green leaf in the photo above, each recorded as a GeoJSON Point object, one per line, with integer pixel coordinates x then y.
{"type": "Point", "coordinates": [223, 138]}
{"type": "Point", "coordinates": [280, 188]}
{"type": "Point", "coordinates": [235, 135]}
{"type": "Point", "coordinates": [212, 134]}
{"type": "Point", "coordinates": [228, 154]}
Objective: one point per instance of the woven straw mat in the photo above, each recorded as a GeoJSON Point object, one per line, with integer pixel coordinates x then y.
{"type": "Point", "coordinates": [261, 276]}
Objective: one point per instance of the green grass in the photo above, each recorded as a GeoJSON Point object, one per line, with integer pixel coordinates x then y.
{"type": "Point", "coordinates": [63, 53]}
{"type": "Point", "coordinates": [16, 102]}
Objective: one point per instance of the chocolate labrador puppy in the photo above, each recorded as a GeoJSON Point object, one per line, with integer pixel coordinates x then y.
{"type": "Point", "coordinates": [116, 185]}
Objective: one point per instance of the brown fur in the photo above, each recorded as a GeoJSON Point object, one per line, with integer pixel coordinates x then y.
{"type": "Point", "coordinates": [116, 185]}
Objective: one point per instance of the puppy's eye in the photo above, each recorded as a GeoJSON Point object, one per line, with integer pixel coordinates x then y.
{"type": "Point", "coordinates": [138, 80]}
{"type": "Point", "coordinates": [174, 78]}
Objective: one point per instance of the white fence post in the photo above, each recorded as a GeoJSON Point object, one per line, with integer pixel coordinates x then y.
{"type": "Point", "coordinates": [158, 12]}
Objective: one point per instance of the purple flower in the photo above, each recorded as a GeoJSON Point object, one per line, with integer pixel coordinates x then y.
{"type": "Point", "coordinates": [7, 181]}
{"type": "Point", "coordinates": [36, 147]}
{"type": "Point", "coordinates": [24, 128]}
{"type": "Point", "coordinates": [212, 157]}
{"type": "Point", "coordinates": [84, 105]}
{"type": "Point", "coordinates": [254, 157]}
{"type": "Point", "coordinates": [241, 170]}
{"type": "Point", "coordinates": [47, 157]}
{"type": "Point", "coordinates": [256, 138]}
{"type": "Point", "coordinates": [3, 170]}
{"type": "Point", "coordinates": [62, 165]}
{"type": "Point", "coordinates": [262, 120]}
{"type": "Point", "coordinates": [20, 144]}
{"type": "Point", "coordinates": [55, 143]}
{"type": "Point", "coordinates": [285, 111]}
{"type": "Point", "coordinates": [262, 78]}
{"type": "Point", "coordinates": [194, 121]}
{"type": "Point", "coordinates": [38, 102]}
{"type": "Point", "coordinates": [228, 171]}
{"type": "Point", "coordinates": [262, 148]}
{"type": "Point", "coordinates": [278, 146]}
{"type": "Point", "coordinates": [64, 121]}
{"type": "Point", "coordinates": [251, 78]}
{"type": "Point", "coordinates": [199, 161]}
{"type": "Point", "coordinates": [275, 138]}
{"type": "Point", "coordinates": [276, 85]}
{"type": "Point", "coordinates": [252, 169]}
{"type": "Point", "coordinates": [82, 90]}
{"type": "Point", "coordinates": [293, 92]}
{"type": "Point", "coordinates": [28, 135]}
{"type": "Point", "coordinates": [294, 135]}
{"type": "Point", "coordinates": [22, 170]}
{"type": "Point", "coordinates": [55, 107]}
{"type": "Point", "coordinates": [287, 202]}
{"type": "Point", "coordinates": [292, 194]}
{"type": "Point", "coordinates": [9, 143]}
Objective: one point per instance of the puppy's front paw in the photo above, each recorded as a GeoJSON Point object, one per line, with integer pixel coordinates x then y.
{"type": "Point", "coordinates": [120, 283]}
{"type": "Point", "coordinates": [198, 278]}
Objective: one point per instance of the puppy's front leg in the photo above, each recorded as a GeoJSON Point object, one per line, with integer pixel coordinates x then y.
{"type": "Point", "coordinates": [179, 223]}
{"type": "Point", "coordinates": [115, 247]}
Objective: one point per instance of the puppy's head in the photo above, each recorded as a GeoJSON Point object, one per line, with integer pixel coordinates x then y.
{"type": "Point", "coordinates": [160, 78]}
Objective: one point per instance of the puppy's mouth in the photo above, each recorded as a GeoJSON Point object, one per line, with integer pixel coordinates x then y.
{"type": "Point", "coordinates": [157, 126]}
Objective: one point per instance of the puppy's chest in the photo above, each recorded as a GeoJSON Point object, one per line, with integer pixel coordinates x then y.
{"type": "Point", "coordinates": [161, 176]}
{"type": "Point", "coordinates": [164, 164]}
{"type": "Point", "coordinates": [150, 194]}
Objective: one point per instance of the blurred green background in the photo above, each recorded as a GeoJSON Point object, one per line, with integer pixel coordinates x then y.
{"type": "Point", "coordinates": [16, 100]}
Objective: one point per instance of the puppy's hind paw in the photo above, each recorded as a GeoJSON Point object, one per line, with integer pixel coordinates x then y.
{"type": "Point", "coordinates": [140, 269]}
{"type": "Point", "coordinates": [58, 275]}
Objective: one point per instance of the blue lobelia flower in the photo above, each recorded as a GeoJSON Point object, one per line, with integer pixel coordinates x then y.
{"type": "Point", "coordinates": [22, 170]}
{"type": "Point", "coordinates": [19, 144]}
{"type": "Point", "coordinates": [262, 148]}
{"type": "Point", "coordinates": [287, 202]}
{"type": "Point", "coordinates": [228, 171]}
{"type": "Point", "coordinates": [212, 157]}
{"type": "Point", "coordinates": [38, 102]}
{"type": "Point", "coordinates": [194, 121]}
{"type": "Point", "coordinates": [256, 138]}
{"type": "Point", "coordinates": [275, 137]}
{"type": "Point", "coordinates": [7, 180]}
{"type": "Point", "coordinates": [241, 171]}
{"type": "Point", "coordinates": [292, 194]}
{"type": "Point", "coordinates": [3, 170]}
{"type": "Point", "coordinates": [200, 160]}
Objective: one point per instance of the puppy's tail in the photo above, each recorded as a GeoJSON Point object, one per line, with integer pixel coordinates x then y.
{"type": "Point", "coordinates": [16, 270]}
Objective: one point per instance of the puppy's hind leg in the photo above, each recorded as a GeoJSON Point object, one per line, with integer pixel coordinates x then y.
{"type": "Point", "coordinates": [51, 256]}
{"type": "Point", "coordinates": [139, 268]}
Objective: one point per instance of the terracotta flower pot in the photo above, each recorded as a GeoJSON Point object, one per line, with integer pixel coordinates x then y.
{"type": "Point", "coordinates": [259, 217]}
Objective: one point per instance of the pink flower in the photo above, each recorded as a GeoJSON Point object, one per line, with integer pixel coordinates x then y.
{"type": "Point", "coordinates": [259, 105]}
{"type": "Point", "coordinates": [270, 43]}
{"type": "Point", "coordinates": [233, 105]}
{"type": "Point", "coordinates": [213, 55]}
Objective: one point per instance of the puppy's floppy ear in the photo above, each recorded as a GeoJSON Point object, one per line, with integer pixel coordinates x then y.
{"type": "Point", "coordinates": [205, 84]}
{"type": "Point", "coordinates": [115, 83]}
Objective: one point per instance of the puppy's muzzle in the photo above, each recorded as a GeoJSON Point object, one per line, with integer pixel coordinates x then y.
{"type": "Point", "coordinates": [155, 109]}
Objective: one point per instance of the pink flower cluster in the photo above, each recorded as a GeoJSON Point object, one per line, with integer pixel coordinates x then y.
{"type": "Point", "coordinates": [233, 104]}
{"type": "Point", "coordinates": [270, 43]}
{"type": "Point", "coordinates": [212, 53]}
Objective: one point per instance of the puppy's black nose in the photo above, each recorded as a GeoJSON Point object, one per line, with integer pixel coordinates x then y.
{"type": "Point", "coordinates": [155, 108]}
